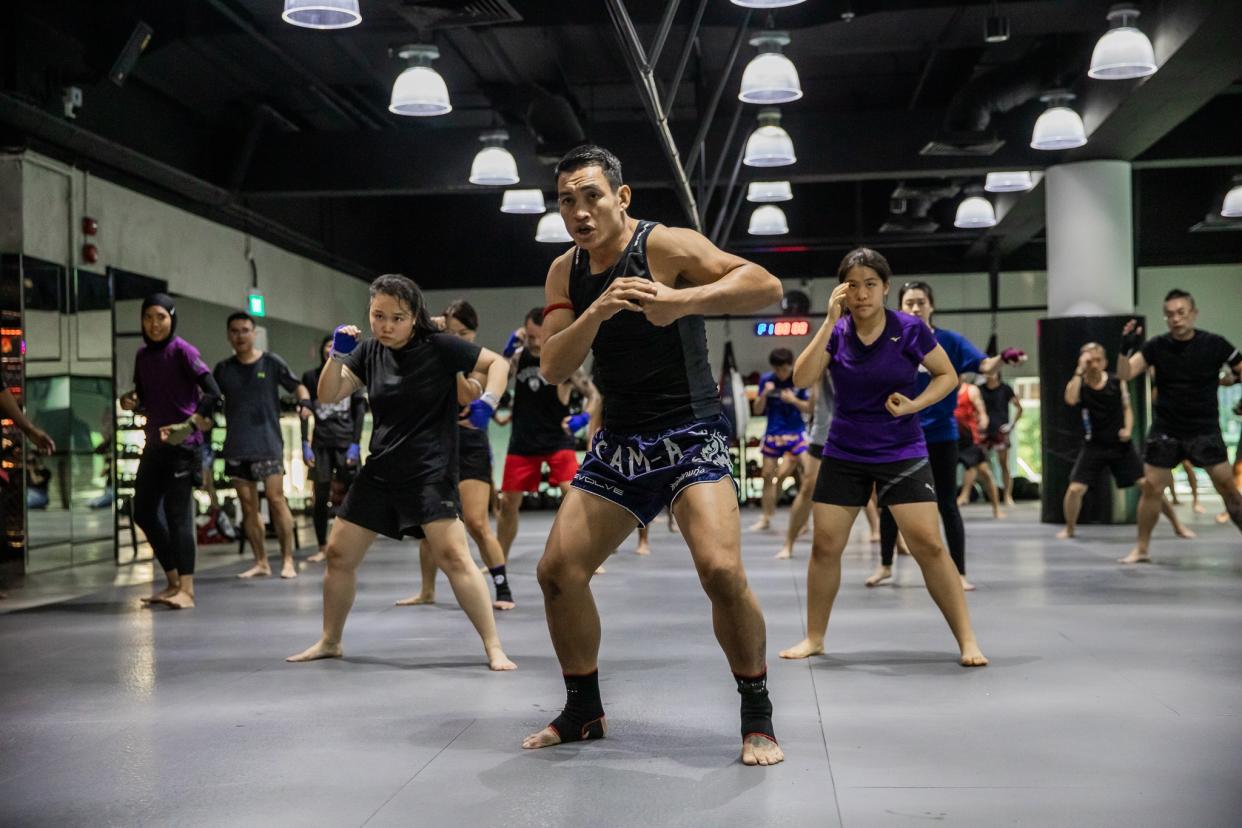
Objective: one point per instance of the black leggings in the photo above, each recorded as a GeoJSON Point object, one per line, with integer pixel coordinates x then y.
{"type": "Point", "coordinates": [164, 504]}
{"type": "Point", "coordinates": [942, 458]}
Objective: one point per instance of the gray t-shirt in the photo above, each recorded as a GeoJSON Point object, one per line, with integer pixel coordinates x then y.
{"type": "Point", "coordinates": [252, 406]}
{"type": "Point", "coordinates": [824, 404]}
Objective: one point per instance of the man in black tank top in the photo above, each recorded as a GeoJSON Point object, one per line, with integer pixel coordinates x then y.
{"type": "Point", "coordinates": [539, 436]}
{"type": "Point", "coordinates": [1107, 421]}
{"type": "Point", "coordinates": [633, 293]}
{"type": "Point", "coordinates": [1186, 425]}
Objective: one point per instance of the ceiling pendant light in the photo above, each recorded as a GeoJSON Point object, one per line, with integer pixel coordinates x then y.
{"type": "Point", "coordinates": [1232, 206]}
{"type": "Point", "coordinates": [769, 145]}
{"type": "Point", "coordinates": [322, 14]}
{"type": "Point", "coordinates": [1008, 182]}
{"type": "Point", "coordinates": [522, 202]}
{"type": "Point", "coordinates": [974, 213]}
{"type": "Point", "coordinates": [770, 77]}
{"type": "Point", "coordinates": [493, 165]}
{"type": "Point", "coordinates": [419, 91]}
{"type": "Point", "coordinates": [768, 220]}
{"type": "Point", "coordinates": [551, 229]}
{"type": "Point", "coordinates": [1059, 127]}
{"type": "Point", "coordinates": [1123, 52]}
{"type": "Point", "coordinates": [762, 192]}
{"type": "Point", "coordinates": [766, 4]}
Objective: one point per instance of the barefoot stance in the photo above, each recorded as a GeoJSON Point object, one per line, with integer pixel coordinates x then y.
{"type": "Point", "coordinates": [967, 586]}
{"type": "Point", "coordinates": [972, 657]}
{"type": "Point", "coordinates": [161, 597]}
{"type": "Point", "coordinates": [318, 557]}
{"type": "Point", "coordinates": [1135, 557]}
{"type": "Point", "coordinates": [316, 651]}
{"type": "Point", "coordinates": [761, 525]}
{"type": "Point", "coordinates": [288, 570]}
{"type": "Point", "coordinates": [416, 600]}
{"type": "Point", "coordinates": [257, 571]}
{"type": "Point", "coordinates": [1064, 534]}
{"type": "Point", "coordinates": [785, 554]}
{"type": "Point", "coordinates": [181, 600]}
{"type": "Point", "coordinates": [881, 574]}
{"type": "Point", "coordinates": [1185, 533]}
{"type": "Point", "coordinates": [804, 649]}
{"type": "Point", "coordinates": [643, 549]}
{"type": "Point", "coordinates": [549, 737]}
{"type": "Point", "coordinates": [760, 750]}
{"type": "Point", "coordinates": [499, 662]}
{"type": "Point", "coordinates": [503, 605]}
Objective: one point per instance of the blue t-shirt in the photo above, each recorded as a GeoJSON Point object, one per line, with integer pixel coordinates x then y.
{"type": "Point", "coordinates": [783, 417]}
{"type": "Point", "coordinates": [939, 424]}
{"type": "Point", "coordinates": [864, 376]}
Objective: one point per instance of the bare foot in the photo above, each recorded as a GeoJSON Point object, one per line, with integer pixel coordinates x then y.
{"type": "Point", "coordinates": [500, 605]}
{"type": "Point", "coordinates": [1185, 532]}
{"type": "Point", "coordinates": [972, 657]}
{"type": "Point", "coordinates": [1136, 556]}
{"type": "Point", "coordinates": [1223, 517]}
{"type": "Point", "coordinates": [1198, 509]}
{"type": "Point", "coordinates": [498, 661]}
{"type": "Point", "coordinates": [963, 501]}
{"type": "Point", "coordinates": [874, 537]}
{"type": "Point", "coordinates": [257, 571]}
{"type": "Point", "coordinates": [760, 750]}
{"type": "Point", "coordinates": [1009, 501]}
{"type": "Point", "coordinates": [643, 549]}
{"type": "Point", "coordinates": [881, 574]}
{"type": "Point", "coordinates": [967, 586]}
{"type": "Point", "coordinates": [318, 557]}
{"type": "Point", "coordinates": [181, 600]}
{"type": "Point", "coordinates": [785, 554]}
{"type": "Point", "coordinates": [549, 737]}
{"type": "Point", "coordinates": [998, 514]}
{"type": "Point", "coordinates": [416, 600]}
{"type": "Point", "coordinates": [761, 525]}
{"type": "Point", "coordinates": [288, 570]}
{"type": "Point", "coordinates": [1065, 534]}
{"type": "Point", "coordinates": [320, 649]}
{"type": "Point", "coordinates": [599, 570]}
{"type": "Point", "coordinates": [804, 649]}
{"type": "Point", "coordinates": [162, 596]}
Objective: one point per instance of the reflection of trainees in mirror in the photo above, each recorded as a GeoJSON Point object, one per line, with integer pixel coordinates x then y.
{"type": "Point", "coordinates": [12, 411]}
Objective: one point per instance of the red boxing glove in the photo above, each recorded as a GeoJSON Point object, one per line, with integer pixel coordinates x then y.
{"type": "Point", "coordinates": [1012, 356]}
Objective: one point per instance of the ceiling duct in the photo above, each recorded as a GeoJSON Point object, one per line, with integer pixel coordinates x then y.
{"type": "Point", "coordinates": [909, 216]}
{"type": "Point", "coordinates": [555, 125]}
{"type": "Point", "coordinates": [425, 15]}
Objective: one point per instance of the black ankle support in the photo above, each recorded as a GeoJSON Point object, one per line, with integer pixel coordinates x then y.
{"type": "Point", "coordinates": [501, 582]}
{"type": "Point", "coordinates": [756, 706]}
{"type": "Point", "coordinates": [583, 716]}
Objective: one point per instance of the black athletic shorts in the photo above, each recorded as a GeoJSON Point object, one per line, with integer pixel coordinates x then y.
{"type": "Point", "coordinates": [816, 450]}
{"type": "Point", "coordinates": [1119, 458]}
{"type": "Point", "coordinates": [475, 463]}
{"type": "Point", "coordinates": [847, 483]}
{"type": "Point", "coordinates": [256, 471]}
{"type": "Point", "coordinates": [330, 465]}
{"type": "Point", "coordinates": [399, 510]}
{"type": "Point", "coordinates": [1165, 451]}
{"type": "Point", "coordinates": [969, 453]}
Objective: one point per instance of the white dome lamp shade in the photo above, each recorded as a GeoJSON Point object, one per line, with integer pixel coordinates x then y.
{"type": "Point", "coordinates": [975, 213]}
{"type": "Point", "coordinates": [766, 4]}
{"type": "Point", "coordinates": [322, 14]}
{"type": "Point", "coordinates": [494, 165]}
{"type": "Point", "coordinates": [419, 91]}
{"type": "Point", "coordinates": [768, 220]}
{"type": "Point", "coordinates": [763, 192]}
{"type": "Point", "coordinates": [770, 77]}
{"type": "Point", "coordinates": [769, 145]}
{"type": "Point", "coordinates": [1123, 52]}
{"type": "Point", "coordinates": [1232, 206]}
{"type": "Point", "coordinates": [1058, 127]}
{"type": "Point", "coordinates": [522, 202]}
{"type": "Point", "coordinates": [1009, 182]}
{"type": "Point", "coordinates": [551, 229]}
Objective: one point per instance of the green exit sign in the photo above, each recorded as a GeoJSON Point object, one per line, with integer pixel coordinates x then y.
{"type": "Point", "coordinates": [257, 304]}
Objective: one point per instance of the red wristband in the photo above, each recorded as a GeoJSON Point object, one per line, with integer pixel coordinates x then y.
{"type": "Point", "coordinates": [557, 306]}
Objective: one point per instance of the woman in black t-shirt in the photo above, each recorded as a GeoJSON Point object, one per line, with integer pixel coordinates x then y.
{"type": "Point", "coordinates": [408, 485]}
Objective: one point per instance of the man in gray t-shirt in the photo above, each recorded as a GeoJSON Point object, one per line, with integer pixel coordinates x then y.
{"type": "Point", "coordinates": [253, 447]}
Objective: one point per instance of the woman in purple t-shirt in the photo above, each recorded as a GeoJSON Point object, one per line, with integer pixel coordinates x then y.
{"type": "Point", "coordinates": [174, 389]}
{"type": "Point", "coordinates": [876, 443]}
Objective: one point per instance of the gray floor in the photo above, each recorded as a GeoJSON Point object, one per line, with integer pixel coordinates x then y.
{"type": "Point", "coordinates": [1114, 698]}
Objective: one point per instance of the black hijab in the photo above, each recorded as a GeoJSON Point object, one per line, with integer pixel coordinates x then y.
{"type": "Point", "coordinates": [164, 301]}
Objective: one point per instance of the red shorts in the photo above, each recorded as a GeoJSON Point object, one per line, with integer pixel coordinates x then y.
{"type": "Point", "coordinates": [523, 471]}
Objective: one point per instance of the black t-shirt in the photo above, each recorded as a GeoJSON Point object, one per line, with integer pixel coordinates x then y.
{"type": "Point", "coordinates": [996, 403]}
{"type": "Point", "coordinates": [537, 412]}
{"type": "Point", "coordinates": [413, 396]}
{"type": "Point", "coordinates": [1186, 380]}
{"type": "Point", "coordinates": [336, 425]}
{"type": "Point", "coordinates": [252, 405]}
{"type": "Point", "coordinates": [1106, 409]}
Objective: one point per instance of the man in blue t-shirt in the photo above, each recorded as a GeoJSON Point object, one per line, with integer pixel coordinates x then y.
{"type": "Point", "coordinates": [784, 440]}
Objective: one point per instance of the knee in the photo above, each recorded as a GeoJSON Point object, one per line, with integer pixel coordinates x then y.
{"type": "Point", "coordinates": [555, 574]}
{"type": "Point", "coordinates": [337, 560]}
{"type": "Point", "coordinates": [454, 560]}
{"type": "Point", "coordinates": [825, 550]}
{"type": "Point", "coordinates": [722, 581]}
{"type": "Point", "coordinates": [510, 503]}
{"type": "Point", "coordinates": [1077, 489]}
{"type": "Point", "coordinates": [1148, 488]}
{"type": "Point", "coordinates": [926, 549]}
{"type": "Point", "coordinates": [476, 527]}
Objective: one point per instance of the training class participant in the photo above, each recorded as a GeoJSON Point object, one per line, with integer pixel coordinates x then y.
{"type": "Point", "coordinates": [784, 437]}
{"type": "Point", "coordinates": [998, 396]}
{"type": "Point", "coordinates": [972, 422]}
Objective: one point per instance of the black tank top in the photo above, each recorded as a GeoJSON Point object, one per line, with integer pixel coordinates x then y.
{"type": "Point", "coordinates": [652, 378]}
{"type": "Point", "coordinates": [1105, 408]}
{"type": "Point", "coordinates": [537, 412]}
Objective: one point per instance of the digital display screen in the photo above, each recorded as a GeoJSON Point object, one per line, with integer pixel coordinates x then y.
{"type": "Point", "coordinates": [783, 327]}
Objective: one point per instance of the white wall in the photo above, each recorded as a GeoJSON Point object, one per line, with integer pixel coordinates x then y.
{"type": "Point", "coordinates": [198, 258]}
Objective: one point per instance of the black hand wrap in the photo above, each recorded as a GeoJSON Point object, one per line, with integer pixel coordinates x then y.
{"type": "Point", "coordinates": [583, 716]}
{"type": "Point", "coordinates": [1130, 343]}
{"type": "Point", "coordinates": [756, 706]}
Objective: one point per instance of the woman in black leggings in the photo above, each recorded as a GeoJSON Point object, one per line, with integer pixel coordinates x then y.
{"type": "Point", "coordinates": [174, 389]}
{"type": "Point", "coordinates": [940, 432]}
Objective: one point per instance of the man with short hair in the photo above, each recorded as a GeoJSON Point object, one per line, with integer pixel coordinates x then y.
{"type": "Point", "coordinates": [253, 446]}
{"type": "Point", "coordinates": [784, 437]}
{"type": "Point", "coordinates": [1186, 424]}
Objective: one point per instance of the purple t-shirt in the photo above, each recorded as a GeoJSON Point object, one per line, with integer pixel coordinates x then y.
{"type": "Point", "coordinates": [167, 383]}
{"type": "Point", "coordinates": [864, 376]}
